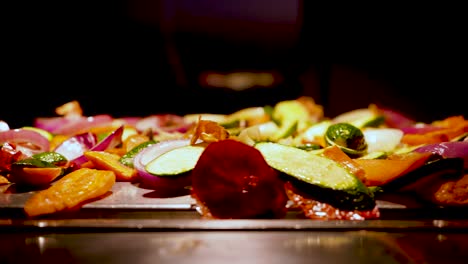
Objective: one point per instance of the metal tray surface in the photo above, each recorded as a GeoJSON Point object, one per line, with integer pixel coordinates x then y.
{"type": "Point", "coordinates": [127, 195]}
{"type": "Point", "coordinates": [124, 195]}
{"type": "Point", "coordinates": [129, 200]}
{"type": "Point", "coordinates": [234, 247]}
{"type": "Point", "coordinates": [139, 225]}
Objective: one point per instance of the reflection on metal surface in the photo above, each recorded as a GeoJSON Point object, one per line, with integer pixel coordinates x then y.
{"type": "Point", "coordinates": [124, 195]}
{"type": "Point", "coordinates": [440, 223]}
{"type": "Point", "coordinates": [177, 246]}
{"type": "Point", "coordinates": [225, 246]}
{"type": "Point", "coordinates": [204, 247]}
{"type": "Point", "coordinates": [164, 224]}
{"type": "Point", "coordinates": [131, 196]}
{"type": "Point", "coordinates": [329, 242]}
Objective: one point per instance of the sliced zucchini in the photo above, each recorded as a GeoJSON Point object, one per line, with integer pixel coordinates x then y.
{"type": "Point", "coordinates": [284, 131]}
{"type": "Point", "coordinates": [51, 157]}
{"type": "Point", "coordinates": [127, 158]}
{"type": "Point", "coordinates": [176, 161]}
{"type": "Point", "coordinates": [321, 177]}
{"type": "Point", "coordinates": [33, 163]}
{"type": "Point", "coordinates": [360, 118]}
{"type": "Point", "coordinates": [291, 115]}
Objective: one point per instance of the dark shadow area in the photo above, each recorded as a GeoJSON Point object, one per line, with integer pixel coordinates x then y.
{"type": "Point", "coordinates": [143, 57]}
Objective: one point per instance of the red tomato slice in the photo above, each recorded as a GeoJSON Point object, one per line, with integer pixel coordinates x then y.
{"type": "Point", "coordinates": [233, 181]}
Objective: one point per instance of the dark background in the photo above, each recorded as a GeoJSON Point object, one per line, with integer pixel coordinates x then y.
{"type": "Point", "coordinates": [143, 57]}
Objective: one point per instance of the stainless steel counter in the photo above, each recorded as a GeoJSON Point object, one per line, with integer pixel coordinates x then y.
{"type": "Point", "coordinates": [137, 225]}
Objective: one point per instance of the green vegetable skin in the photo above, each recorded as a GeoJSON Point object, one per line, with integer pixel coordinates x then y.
{"type": "Point", "coordinates": [322, 177]}
{"type": "Point", "coordinates": [176, 161]}
{"type": "Point", "coordinates": [48, 159]}
{"type": "Point", "coordinates": [361, 118]}
{"type": "Point", "coordinates": [127, 158]}
{"type": "Point", "coordinates": [347, 137]}
{"type": "Point", "coordinates": [291, 116]}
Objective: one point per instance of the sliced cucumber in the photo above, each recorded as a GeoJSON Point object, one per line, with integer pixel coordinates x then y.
{"type": "Point", "coordinates": [176, 161]}
{"type": "Point", "coordinates": [323, 178]}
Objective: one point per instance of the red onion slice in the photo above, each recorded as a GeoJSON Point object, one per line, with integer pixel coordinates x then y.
{"type": "Point", "coordinates": [153, 151]}
{"type": "Point", "coordinates": [50, 123]}
{"type": "Point", "coordinates": [458, 149]}
{"type": "Point", "coordinates": [167, 123]}
{"type": "Point", "coordinates": [75, 146]}
{"type": "Point", "coordinates": [28, 141]}
{"type": "Point", "coordinates": [396, 120]}
{"type": "Point", "coordinates": [420, 129]}
{"type": "Point", "coordinates": [128, 120]}
{"type": "Point", "coordinates": [111, 141]}
{"type": "Point", "coordinates": [72, 125]}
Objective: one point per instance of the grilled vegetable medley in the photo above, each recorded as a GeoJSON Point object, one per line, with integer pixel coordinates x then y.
{"type": "Point", "coordinates": [258, 162]}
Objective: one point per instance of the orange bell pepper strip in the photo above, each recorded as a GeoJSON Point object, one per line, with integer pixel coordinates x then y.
{"type": "Point", "coordinates": [108, 161]}
{"type": "Point", "coordinates": [381, 171]}
{"type": "Point", "coordinates": [70, 192]}
{"type": "Point", "coordinates": [35, 176]}
{"type": "Point", "coordinates": [336, 154]}
{"type": "Point", "coordinates": [450, 128]}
